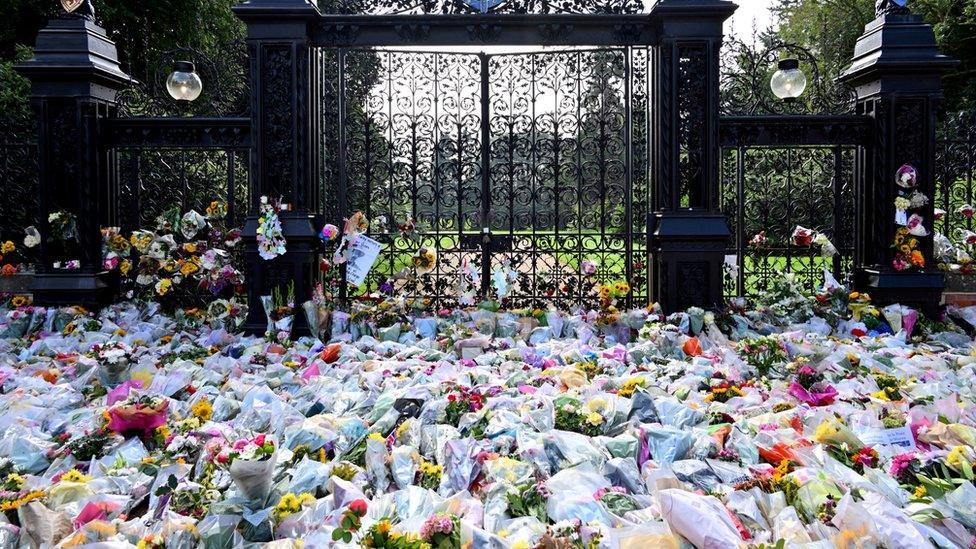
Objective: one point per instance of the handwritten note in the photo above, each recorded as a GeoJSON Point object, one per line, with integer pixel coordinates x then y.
{"type": "Point", "coordinates": [362, 256]}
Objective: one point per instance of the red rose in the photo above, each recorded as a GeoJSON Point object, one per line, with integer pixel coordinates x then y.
{"type": "Point", "coordinates": [859, 332]}
{"type": "Point", "coordinates": [358, 508]}
{"type": "Point", "coordinates": [259, 440]}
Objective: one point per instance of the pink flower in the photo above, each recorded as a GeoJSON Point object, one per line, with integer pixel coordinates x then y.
{"type": "Point", "coordinates": [900, 463]}
{"type": "Point", "coordinates": [823, 397]}
{"type": "Point", "coordinates": [329, 232]}
{"type": "Point", "coordinates": [436, 524]}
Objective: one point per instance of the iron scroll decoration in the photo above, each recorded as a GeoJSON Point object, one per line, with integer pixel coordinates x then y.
{"type": "Point", "coordinates": [465, 7]}
{"type": "Point", "coordinates": [746, 72]}
{"type": "Point", "coordinates": [225, 85]}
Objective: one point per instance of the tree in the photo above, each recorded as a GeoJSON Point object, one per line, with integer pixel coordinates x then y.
{"type": "Point", "coordinates": [831, 28]}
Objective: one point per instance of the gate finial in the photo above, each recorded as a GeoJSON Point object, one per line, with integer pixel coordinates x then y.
{"type": "Point", "coordinates": [893, 7]}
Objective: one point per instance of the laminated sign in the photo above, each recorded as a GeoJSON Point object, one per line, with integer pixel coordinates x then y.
{"type": "Point", "coordinates": [362, 256]}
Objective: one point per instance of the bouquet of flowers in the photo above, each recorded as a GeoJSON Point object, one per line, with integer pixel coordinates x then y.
{"type": "Point", "coordinates": [138, 414]}
{"type": "Point", "coordinates": [442, 531]}
{"type": "Point", "coordinates": [280, 309]}
{"type": "Point", "coordinates": [271, 239]}
{"type": "Point", "coordinates": [113, 361]}
{"type": "Point", "coordinates": [250, 462]}
{"type": "Point", "coordinates": [810, 387]}
{"type": "Point", "coordinates": [63, 239]}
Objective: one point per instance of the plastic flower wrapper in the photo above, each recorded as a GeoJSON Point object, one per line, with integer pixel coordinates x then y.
{"type": "Point", "coordinates": [250, 463]}
{"type": "Point", "coordinates": [652, 535]}
{"type": "Point", "coordinates": [220, 532]}
{"type": "Point", "coordinates": [702, 520]}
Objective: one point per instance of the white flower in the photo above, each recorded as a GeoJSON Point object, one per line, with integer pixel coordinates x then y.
{"type": "Point", "coordinates": [192, 223]}
{"type": "Point", "coordinates": [33, 237]}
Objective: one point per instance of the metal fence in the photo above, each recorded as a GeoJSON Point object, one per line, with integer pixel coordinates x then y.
{"type": "Point", "coordinates": [535, 160]}
{"type": "Point", "coordinates": [956, 172]}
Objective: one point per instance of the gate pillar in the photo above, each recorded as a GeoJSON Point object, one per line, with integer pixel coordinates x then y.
{"type": "Point", "coordinates": [897, 74]}
{"type": "Point", "coordinates": [75, 76]}
{"type": "Point", "coordinates": [284, 152]}
{"type": "Point", "coordinates": [688, 234]}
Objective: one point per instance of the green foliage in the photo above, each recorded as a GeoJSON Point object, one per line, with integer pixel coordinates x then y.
{"type": "Point", "coordinates": [831, 28]}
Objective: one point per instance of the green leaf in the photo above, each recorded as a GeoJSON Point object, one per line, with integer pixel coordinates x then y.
{"type": "Point", "coordinates": [336, 534]}
{"type": "Point", "coordinates": [172, 482]}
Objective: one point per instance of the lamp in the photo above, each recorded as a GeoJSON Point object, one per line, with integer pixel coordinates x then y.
{"type": "Point", "coordinates": [789, 82]}
{"type": "Point", "coordinates": [184, 83]}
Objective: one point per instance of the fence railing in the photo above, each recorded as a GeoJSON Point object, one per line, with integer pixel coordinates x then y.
{"type": "Point", "coordinates": [956, 172]}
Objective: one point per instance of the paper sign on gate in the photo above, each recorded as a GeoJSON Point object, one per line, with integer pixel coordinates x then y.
{"type": "Point", "coordinates": [362, 256]}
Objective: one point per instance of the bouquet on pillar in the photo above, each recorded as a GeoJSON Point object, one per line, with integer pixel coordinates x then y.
{"type": "Point", "coordinates": [911, 229]}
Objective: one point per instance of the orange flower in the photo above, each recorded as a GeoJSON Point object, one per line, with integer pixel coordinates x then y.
{"type": "Point", "coordinates": [8, 270]}
{"type": "Point", "coordinates": [692, 347]}
{"type": "Point", "coordinates": [917, 259]}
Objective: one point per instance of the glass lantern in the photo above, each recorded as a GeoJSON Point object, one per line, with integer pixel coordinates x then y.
{"type": "Point", "coordinates": [789, 82]}
{"type": "Point", "coordinates": [184, 83]}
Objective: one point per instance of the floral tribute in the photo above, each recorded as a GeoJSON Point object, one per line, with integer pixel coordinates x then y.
{"type": "Point", "coordinates": [911, 229]}
{"type": "Point", "coordinates": [271, 239]}
{"type": "Point", "coordinates": [183, 263]}
{"type": "Point", "coordinates": [818, 420]}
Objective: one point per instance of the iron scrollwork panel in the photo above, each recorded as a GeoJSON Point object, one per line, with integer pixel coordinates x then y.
{"type": "Point", "coordinates": [956, 171]}
{"type": "Point", "coordinates": [153, 180]}
{"type": "Point", "coordinates": [559, 188]}
{"type": "Point", "coordinates": [412, 151]}
{"type": "Point", "coordinates": [556, 186]}
{"type": "Point", "coordinates": [774, 189]}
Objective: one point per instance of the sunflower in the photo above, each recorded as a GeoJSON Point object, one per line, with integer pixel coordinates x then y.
{"type": "Point", "coordinates": [19, 301]}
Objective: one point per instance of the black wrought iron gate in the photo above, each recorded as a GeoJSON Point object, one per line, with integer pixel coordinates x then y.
{"type": "Point", "coordinates": [535, 160]}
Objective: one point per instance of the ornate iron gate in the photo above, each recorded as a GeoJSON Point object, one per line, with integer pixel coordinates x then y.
{"type": "Point", "coordinates": [537, 160]}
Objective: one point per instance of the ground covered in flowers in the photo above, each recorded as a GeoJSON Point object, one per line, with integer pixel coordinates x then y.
{"type": "Point", "coordinates": [807, 422]}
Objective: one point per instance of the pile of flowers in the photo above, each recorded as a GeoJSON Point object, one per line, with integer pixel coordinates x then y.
{"type": "Point", "coordinates": [821, 420]}
{"type": "Point", "coordinates": [183, 263]}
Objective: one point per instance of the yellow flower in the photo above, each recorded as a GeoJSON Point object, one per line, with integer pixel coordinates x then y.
{"type": "Point", "coordinates": [190, 247]}
{"type": "Point", "coordinates": [7, 247]}
{"type": "Point", "coordinates": [216, 209]}
{"type": "Point", "coordinates": [881, 395]}
{"type": "Point", "coordinates": [75, 475]}
{"type": "Point", "coordinates": [824, 431]}
{"type": "Point", "coordinates": [596, 405]}
{"type": "Point", "coordinates": [20, 301]}
{"type": "Point", "coordinates": [162, 431]}
{"type": "Point", "coordinates": [593, 418]}
{"type": "Point", "coordinates": [163, 286]}
{"type": "Point", "coordinates": [16, 480]}
{"type": "Point", "coordinates": [520, 544]}
{"type": "Point", "coordinates": [14, 504]}
{"type": "Point", "coordinates": [956, 457]}
{"type": "Point", "coordinates": [376, 436]}
{"type": "Point", "coordinates": [125, 266]}
{"type": "Point", "coordinates": [202, 410]}
{"type": "Point", "coordinates": [920, 492]}
{"type": "Point", "coordinates": [628, 387]}
{"type": "Point", "coordinates": [383, 526]}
